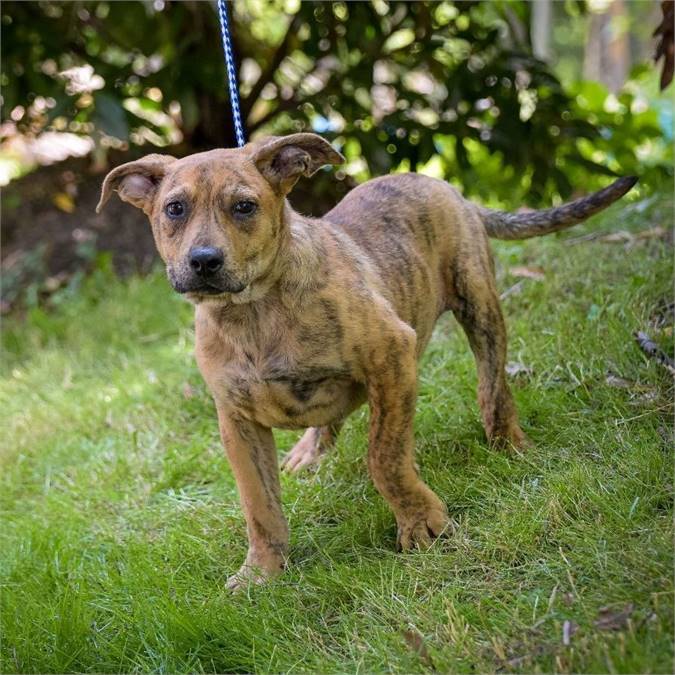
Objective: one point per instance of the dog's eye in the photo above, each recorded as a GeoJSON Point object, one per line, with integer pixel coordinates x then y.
{"type": "Point", "coordinates": [175, 209]}
{"type": "Point", "coordinates": [244, 208]}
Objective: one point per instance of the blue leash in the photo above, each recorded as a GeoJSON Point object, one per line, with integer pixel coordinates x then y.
{"type": "Point", "coordinates": [231, 72]}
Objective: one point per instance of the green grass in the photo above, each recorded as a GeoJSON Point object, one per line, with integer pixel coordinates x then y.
{"type": "Point", "coordinates": [120, 517]}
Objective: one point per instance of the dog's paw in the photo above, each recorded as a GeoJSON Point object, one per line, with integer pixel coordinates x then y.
{"type": "Point", "coordinates": [250, 575]}
{"type": "Point", "coordinates": [244, 578]}
{"type": "Point", "coordinates": [308, 451]}
{"type": "Point", "coordinates": [419, 530]}
{"type": "Point", "coordinates": [512, 438]}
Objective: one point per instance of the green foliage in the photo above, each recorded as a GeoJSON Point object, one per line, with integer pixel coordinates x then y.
{"type": "Point", "coordinates": [450, 88]}
{"type": "Point", "coordinates": [120, 517]}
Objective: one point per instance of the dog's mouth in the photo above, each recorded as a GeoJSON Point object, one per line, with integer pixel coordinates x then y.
{"type": "Point", "coordinates": [213, 289]}
{"type": "Point", "coordinates": [206, 292]}
{"type": "Point", "coordinates": [195, 288]}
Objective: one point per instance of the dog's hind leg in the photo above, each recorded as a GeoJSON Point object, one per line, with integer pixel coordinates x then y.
{"type": "Point", "coordinates": [475, 303]}
{"type": "Point", "coordinates": [311, 448]}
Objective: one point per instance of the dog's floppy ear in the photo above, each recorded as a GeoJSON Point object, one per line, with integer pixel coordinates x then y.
{"type": "Point", "coordinates": [282, 160]}
{"type": "Point", "coordinates": [136, 182]}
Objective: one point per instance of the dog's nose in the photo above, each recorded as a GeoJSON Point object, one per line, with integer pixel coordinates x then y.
{"type": "Point", "coordinates": [206, 260]}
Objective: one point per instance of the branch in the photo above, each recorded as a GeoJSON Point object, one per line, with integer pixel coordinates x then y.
{"type": "Point", "coordinates": [284, 105]}
{"type": "Point", "coordinates": [295, 100]}
{"type": "Point", "coordinates": [518, 30]}
{"type": "Point", "coordinates": [267, 75]}
{"type": "Point", "coordinates": [652, 350]}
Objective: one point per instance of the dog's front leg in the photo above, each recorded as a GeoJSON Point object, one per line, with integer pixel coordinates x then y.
{"type": "Point", "coordinates": [392, 389]}
{"type": "Point", "coordinates": [252, 454]}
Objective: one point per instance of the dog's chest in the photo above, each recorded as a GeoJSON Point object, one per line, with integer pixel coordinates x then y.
{"type": "Point", "coordinates": [278, 371]}
{"type": "Point", "coordinates": [291, 396]}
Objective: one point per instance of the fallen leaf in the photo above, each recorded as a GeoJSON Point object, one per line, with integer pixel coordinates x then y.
{"type": "Point", "coordinates": [514, 290]}
{"type": "Point", "coordinates": [639, 393]}
{"type": "Point", "coordinates": [617, 237]}
{"type": "Point", "coordinates": [612, 618]}
{"type": "Point", "coordinates": [415, 640]}
{"type": "Point", "coordinates": [514, 369]}
{"type": "Point", "coordinates": [516, 661]}
{"type": "Point", "coordinates": [519, 655]}
{"type": "Point", "coordinates": [527, 272]}
{"type": "Point", "coordinates": [662, 318]}
{"type": "Point", "coordinates": [82, 235]}
{"type": "Point", "coordinates": [627, 237]}
{"type": "Point", "coordinates": [64, 202]}
{"type": "Point", "coordinates": [619, 382]}
{"type": "Point", "coordinates": [620, 236]}
{"type": "Point", "coordinates": [573, 241]}
{"type": "Point", "coordinates": [569, 629]}
{"type": "Point", "coordinates": [652, 233]}
{"type": "Point", "coordinates": [647, 397]}
{"type": "Point", "coordinates": [55, 282]}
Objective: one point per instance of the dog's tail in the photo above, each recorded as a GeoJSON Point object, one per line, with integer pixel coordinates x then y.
{"type": "Point", "coordinates": [503, 225]}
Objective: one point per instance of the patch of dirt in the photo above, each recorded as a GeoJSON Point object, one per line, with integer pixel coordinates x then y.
{"type": "Point", "coordinates": [50, 227]}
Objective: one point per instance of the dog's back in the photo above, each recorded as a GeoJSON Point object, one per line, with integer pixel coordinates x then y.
{"type": "Point", "coordinates": [414, 228]}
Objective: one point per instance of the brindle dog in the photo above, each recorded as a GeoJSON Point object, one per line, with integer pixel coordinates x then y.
{"type": "Point", "coordinates": [301, 320]}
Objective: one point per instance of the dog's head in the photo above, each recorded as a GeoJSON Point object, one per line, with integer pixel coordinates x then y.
{"type": "Point", "coordinates": [218, 217]}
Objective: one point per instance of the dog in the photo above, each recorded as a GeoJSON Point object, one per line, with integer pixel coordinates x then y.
{"type": "Point", "coordinates": [299, 320]}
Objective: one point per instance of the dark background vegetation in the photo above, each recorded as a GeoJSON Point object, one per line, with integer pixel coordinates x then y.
{"type": "Point", "coordinates": [513, 105]}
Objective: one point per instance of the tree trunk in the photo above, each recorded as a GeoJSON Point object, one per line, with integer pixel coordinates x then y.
{"type": "Point", "coordinates": [618, 49]}
{"type": "Point", "coordinates": [607, 52]}
{"type": "Point", "coordinates": [542, 12]}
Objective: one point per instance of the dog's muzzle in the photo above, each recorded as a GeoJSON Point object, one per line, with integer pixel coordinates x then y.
{"type": "Point", "coordinates": [204, 274]}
